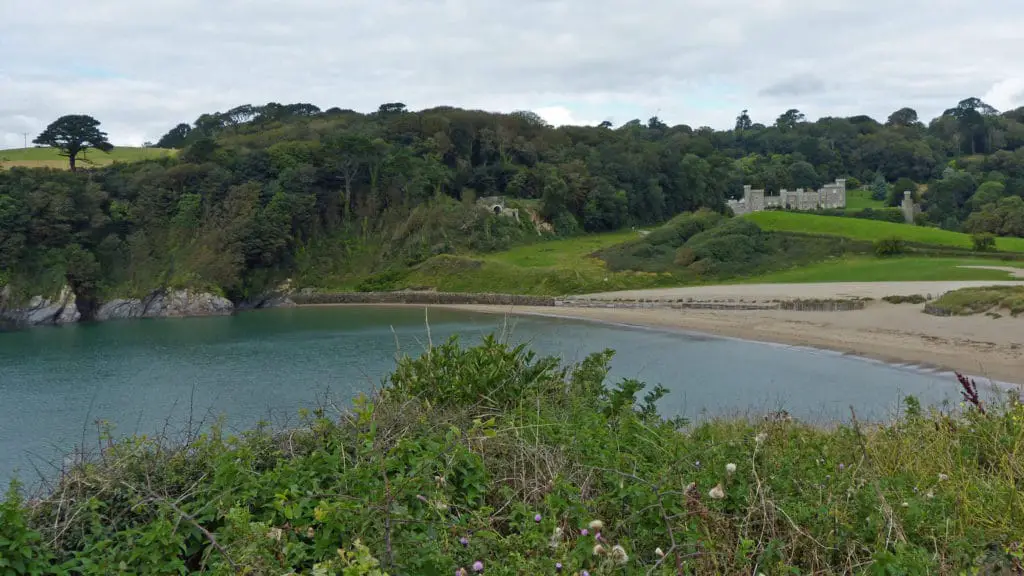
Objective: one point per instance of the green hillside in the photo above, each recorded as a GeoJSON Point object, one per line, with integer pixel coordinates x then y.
{"type": "Point", "coordinates": [50, 157]}
{"type": "Point", "coordinates": [870, 230]}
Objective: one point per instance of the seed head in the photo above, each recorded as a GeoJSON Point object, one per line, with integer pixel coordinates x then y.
{"type": "Point", "coordinates": [619, 554]}
{"type": "Point", "coordinates": [730, 468]}
{"type": "Point", "coordinates": [598, 550]}
{"type": "Point", "coordinates": [596, 525]}
{"type": "Point", "coordinates": [717, 493]}
{"type": "Point", "coordinates": [659, 552]}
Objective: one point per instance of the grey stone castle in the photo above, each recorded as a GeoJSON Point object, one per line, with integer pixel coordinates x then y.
{"type": "Point", "coordinates": [829, 196]}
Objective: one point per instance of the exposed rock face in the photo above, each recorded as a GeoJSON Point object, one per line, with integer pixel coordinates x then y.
{"type": "Point", "coordinates": [167, 304]}
{"type": "Point", "coordinates": [39, 311]}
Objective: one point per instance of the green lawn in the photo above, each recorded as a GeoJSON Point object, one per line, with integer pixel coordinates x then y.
{"type": "Point", "coordinates": [868, 269]}
{"type": "Point", "coordinates": [569, 252]}
{"type": "Point", "coordinates": [870, 230]}
{"type": "Point", "coordinates": [861, 199]}
{"type": "Point", "coordinates": [50, 157]}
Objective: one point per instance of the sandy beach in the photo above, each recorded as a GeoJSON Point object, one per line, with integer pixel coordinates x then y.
{"type": "Point", "coordinates": [977, 345]}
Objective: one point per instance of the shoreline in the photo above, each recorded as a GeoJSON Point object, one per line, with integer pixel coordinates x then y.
{"type": "Point", "coordinates": [984, 348]}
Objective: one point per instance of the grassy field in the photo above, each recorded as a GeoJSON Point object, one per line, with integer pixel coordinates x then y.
{"type": "Point", "coordinates": [867, 269]}
{"type": "Point", "coordinates": [861, 199]}
{"type": "Point", "coordinates": [50, 158]}
{"type": "Point", "coordinates": [871, 230]}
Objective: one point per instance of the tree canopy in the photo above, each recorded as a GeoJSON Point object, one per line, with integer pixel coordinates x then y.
{"type": "Point", "coordinates": [258, 194]}
{"type": "Point", "coordinates": [74, 134]}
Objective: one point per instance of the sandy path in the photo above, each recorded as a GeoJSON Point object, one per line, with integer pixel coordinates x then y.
{"type": "Point", "coordinates": [1014, 272]}
{"type": "Point", "coordinates": [977, 345]}
{"type": "Point", "coordinates": [762, 292]}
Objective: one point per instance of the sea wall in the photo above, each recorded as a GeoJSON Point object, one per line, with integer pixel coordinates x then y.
{"type": "Point", "coordinates": [456, 298]}
{"type": "Point", "coordinates": [836, 305]}
{"type": "Point", "coordinates": [421, 298]}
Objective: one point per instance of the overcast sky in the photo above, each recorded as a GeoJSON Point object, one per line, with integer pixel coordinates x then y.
{"type": "Point", "coordinates": [142, 66]}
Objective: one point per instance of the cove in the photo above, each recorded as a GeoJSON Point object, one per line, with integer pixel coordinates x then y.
{"type": "Point", "coordinates": [148, 376]}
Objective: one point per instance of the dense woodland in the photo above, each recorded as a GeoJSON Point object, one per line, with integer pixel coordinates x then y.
{"type": "Point", "coordinates": [259, 194]}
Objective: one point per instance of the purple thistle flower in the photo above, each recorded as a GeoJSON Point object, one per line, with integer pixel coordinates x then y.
{"type": "Point", "coordinates": [584, 573]}
{"type": "Point", "coordinates": [842, 466]}
{"type": "Point", "coordinates": [598, 537]}
{"type": "Point", "coordinates": [464, 541]}
{"type": "Point", "coordinates": [558, 566]}
{"type": "Point", "coordinates": [536, 518]}
{"type": "Point", "coordinates": [478, 566]}
{"type": "Point", "coordinates": [584, 532]}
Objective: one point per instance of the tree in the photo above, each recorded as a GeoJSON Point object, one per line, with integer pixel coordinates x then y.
{"type": "Point", "coordinates": [74, 134]}
{"type": "Point", "coordinates": [789, 119]}
{"type": "Point", "coordinates": [176, 137]}
{"type": "Point", "coordinates": [902, 185]}
{"type": "Point", "coordinates": [743, 122]}
{"type": "Point", "coordinates": [803, 175]}
{"type": "Point", "coordinates": [879, 189]}
{"type": "Point", "coordinates": [904, 117]}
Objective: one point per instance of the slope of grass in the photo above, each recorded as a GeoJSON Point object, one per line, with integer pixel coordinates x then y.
{"type": "Point", "coordinates": [490, 460]}
{"type": "Point", "coordinates": [565, 252]}
{"type": "Point", "coordinates": [51, 158]}
{"type": "Point", "coordinates": [861, 199]}
{"type": "Point", "coordinates": [868, 269]}
{"type": "Point", "coordinates": [871, 230]}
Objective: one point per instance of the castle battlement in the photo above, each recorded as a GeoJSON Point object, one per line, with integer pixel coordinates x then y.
{"type": "Point", "coordinates": [828, 196]}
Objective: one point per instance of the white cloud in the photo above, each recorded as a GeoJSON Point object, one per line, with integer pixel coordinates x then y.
{"type": "Point", "coordinates": [142, 67]}
{"type": "Point", "coordinates": [562, 116]}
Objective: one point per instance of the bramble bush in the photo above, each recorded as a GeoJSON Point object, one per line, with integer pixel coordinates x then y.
{"type": "Point", "coordinates": [491, 459]}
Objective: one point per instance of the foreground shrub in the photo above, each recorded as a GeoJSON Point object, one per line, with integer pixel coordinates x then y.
{"type": "Point", "coordinates": [983, 242]}
{"type": "Point", "coordinates": [889, 247]}
{"type": "Point", "coordinates": [489, 457]}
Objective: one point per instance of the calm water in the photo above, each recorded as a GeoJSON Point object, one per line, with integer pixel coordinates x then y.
{"type": "Point", "coordinates": [144, 375]}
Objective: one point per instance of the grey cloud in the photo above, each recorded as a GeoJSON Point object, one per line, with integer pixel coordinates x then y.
{"type": "Point", "coordinates": [167, 61]}
{"type": "Point", "coordinates": [799, 85]}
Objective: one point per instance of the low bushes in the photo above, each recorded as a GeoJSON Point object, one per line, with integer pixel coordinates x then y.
{"type": "Point", "coordinates": [967, 301]}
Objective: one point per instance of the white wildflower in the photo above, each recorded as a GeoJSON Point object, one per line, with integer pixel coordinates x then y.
{"type": "Point", "coordinates": [930, 494]}
{"type": "Point", "coordinates": [619, 554]}
{"type": "Point", "coordinates": [943, 477]}
{"type": "Point", "coordinates": [905, 505]}
{"type": "Point", "coordinates": [596, 525]}
{"type": "Point", "coordinates": [275, 534]}
{"type": "Point", "coordinates": [730, 468]}
{"type": "Point", "coordinates": [717, 493]}
{"type": "Point", "coordinates": [659, 552]}
{"type": "Point", "coordinates": [556, 537]}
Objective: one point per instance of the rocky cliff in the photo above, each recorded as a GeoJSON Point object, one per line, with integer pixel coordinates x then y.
{"type": "Point", "coordinates": [62, 309]}
{"type": "Point", "coordinates": [39, 310]}
{"type": "Point", "coordinates": [166, 304]}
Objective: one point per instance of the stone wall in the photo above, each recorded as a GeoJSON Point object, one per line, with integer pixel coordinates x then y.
{"type": "Point", "coordinates": [422, 298]}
